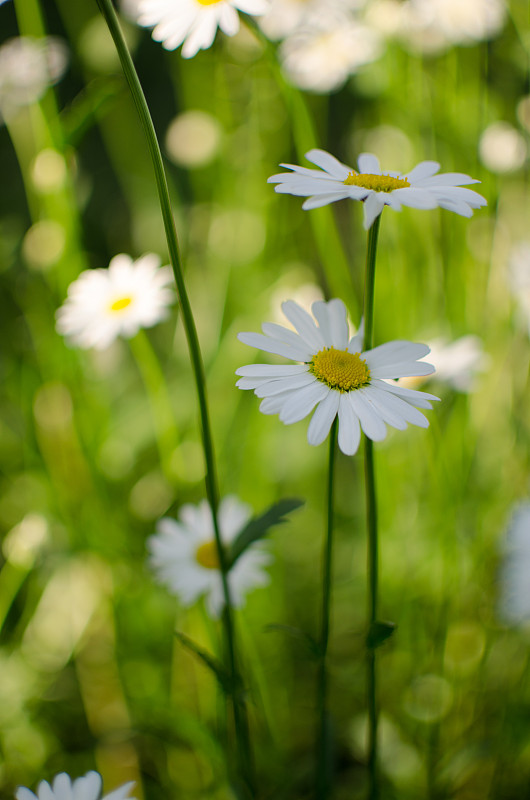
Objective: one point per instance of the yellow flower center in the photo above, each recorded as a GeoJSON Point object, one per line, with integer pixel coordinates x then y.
{"type": "Point", "coordinates": [121, 303]}
{"type": "Point", "coordinates": [208, 2]}
{"type": "Point", "coordinates": [207, 555]}
{"type": "Point", "coordinates": [339, 369]}
{"type": "Point", "coordinates": [377, 183]}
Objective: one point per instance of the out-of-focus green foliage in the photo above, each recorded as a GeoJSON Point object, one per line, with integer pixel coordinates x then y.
{"type": "Point", "coordinates": [91, 674]}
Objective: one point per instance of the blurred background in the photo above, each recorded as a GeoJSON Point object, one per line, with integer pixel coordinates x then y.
{"type": "Point", "coordinates": [96, 446]}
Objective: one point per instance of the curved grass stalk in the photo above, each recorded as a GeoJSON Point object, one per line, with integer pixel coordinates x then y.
{"type": "Point", "coordinates": [212, 490]}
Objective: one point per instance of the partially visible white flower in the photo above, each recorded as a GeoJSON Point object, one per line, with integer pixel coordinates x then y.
{"type": "Point", "coordinates": [519, 278]}
{"type": "Point", "coordinates": [285, 17]}
{"type": "Point", "coordinates": [514, 602]}
{"type": "Point", "coordinates": [85, 788]}
{"type": "Point", "coordinates": [435, 25]}
{"type": "Point", "coordinates": [321, 57]}
{"type": "Point", "coordinates": [194, 23]}
{"type": "Point", "coordinates": [502, 148]}
{"type": "Point", "coordinates": [457, 363]}
{"type": "Point", "coordinates": [27, 68]}
{"type": "Point", "coordinates": [419, 188]}
{"type": "Point", "coordinates": [336, 377]}
{"type": "Point", "coordinates": [103, 304]}
{"type": "Point", "coordinates": [183, 555]}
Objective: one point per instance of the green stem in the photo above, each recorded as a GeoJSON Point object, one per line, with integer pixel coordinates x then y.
{"type": "Point", "coordinates": [323, 765]}
{"type": "Point", "coordinates": [212, 491]}
{"type": "Point", "coordinates": [371, 524]}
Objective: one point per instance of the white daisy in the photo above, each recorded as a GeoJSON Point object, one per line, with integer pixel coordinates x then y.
{"type": "Point", "coordinates": [460, 22]}
{"type": "Point", "coordinates": [458, 363]}
{"type": "Point", "coordinates": [419, 188]}
{"type": "Point", "coordinates": [335, 376]}
{"type": "Point", "coordinates": [184, 556]}
{"type": "Point", "coordinates": [63, 788]}
{"type": "Point", "coordinates": [194, 22]}
{"type": "Point", "coordinates": [105, 303]}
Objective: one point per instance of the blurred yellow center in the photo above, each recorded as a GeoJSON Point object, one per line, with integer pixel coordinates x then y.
{"type": "Point", "coordinates": [339, 369]}
{"type": "Point", "coordinates": [208, 2]}
{"type": "Point", "coordinates": [377, 183]}
{"type": "Point", "coordinates": [119, 305]}
{"type": "Point", "coordinates": [207, 555]}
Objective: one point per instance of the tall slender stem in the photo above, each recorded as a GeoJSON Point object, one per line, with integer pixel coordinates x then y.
{"type": "Point", "coordinates": [212, 490]}
{"type": "Point", "coordinates": [371, 524]}
{"type": "Point", "coordinates": [322, 776]}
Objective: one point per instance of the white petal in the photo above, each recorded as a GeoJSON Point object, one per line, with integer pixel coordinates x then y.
{"type": "Point", "coordinates": [397, 350]}
{"type": "Point", "coordinates": [369, 164]}
{"type": "Point", "coordinates": [228, 20]}
{"type": "Point", "coordinates": [254, 7]}
{"type": "Point", "coordinates": [272, 346]}
{"type": "Point", "coordinates": [446, 179]}
{"type": "Point", "coordinates": [323, 200]}
{"type": "Point", "coordinates": [349, 428]}
{"type": "Point", "coordinates": [472, 198]}
{"type": "Point", "coordinates": [412, 396]}
{"type": "Point", "coordinates": [457, 207]}
{"type": "Point", "coordinates": [373, 205]}
{"type": "Point", "coordinates": [389, 403]}
{"type": "Point", "coordinates": [384, 410]}
{"type": "Point", "coordinates": [274, 404]}
{"type": "Point", "coordinates": [333, 320]}
{"type": "Point", "coordinates": [270, 370]}
{"type": "Point", "coordinates": [421, 171]}
{"type": "Point", "coordinates": [287, 384]}
{"type": "Point", "coordinates": [120, 794]}
{"type": "Point", "coordinates": [283, 334]}
{"type": "Point", "coordinates": [328, 163]}
{"type": "Point", "coordinates": [321, 421]}
{"type": "Point", "coordinates": [62, 786]}
{"type": "Point", "coordinates": [416, 198]}
{"type": "Point", "coordinates": [251, 383]}
{"type": "Point", "coordinates": [302, 402]}
{"type": "Point", "coordinates": [304, 324]}
{"type": "Point", "coordinates": [304, 187]}
{"type": "Point", "coordinates": [371, 423]}
{"type": "Point", "coordinates": [402, 369]}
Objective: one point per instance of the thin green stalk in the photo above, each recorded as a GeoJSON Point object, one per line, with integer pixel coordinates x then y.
{"type": "Point", "coordinates": [323, 766]}
{"type": "Point", "coordinates": [371, 524]}
{"type": "Point", "coordinates": [212, 491]}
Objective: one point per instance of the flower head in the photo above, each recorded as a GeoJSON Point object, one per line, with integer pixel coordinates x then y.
{"type": "Point", "coordinates": [457, 363]}
{"type": "Point", "coordinates": [184, 555]}
{"type": "Point", "coordinates": [105, 303]}
{"type": "Point", "coordinates": [336, 377]}
{"type": "Point", "coordinates": [419, 188]}
{"type": "Point", "coordinates": [194, 22]}
{"type": "Point", "coordinates": [63, 788]}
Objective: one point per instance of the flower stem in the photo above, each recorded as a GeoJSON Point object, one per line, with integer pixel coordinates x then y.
{"type": "Point", "coordinates": [323, 765]}
{"type": "Point", "coordinates": [212, 490]}
{"type": "Point", "coordinates": [371, 524]}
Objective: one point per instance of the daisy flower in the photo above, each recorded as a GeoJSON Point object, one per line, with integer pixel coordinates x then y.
{"type": "Point", "coordinates": [419, 188]}
{"type": "Point", "coordinates": [336, 377]}
{"type": "Point", "coordinates": [183, 555]}
{"type": "Point", "coordinates": [63, 788]}
{"type": "Point", "coordinates": [103, 304]}
{"type": "Point", "coordinates": [194, 22]}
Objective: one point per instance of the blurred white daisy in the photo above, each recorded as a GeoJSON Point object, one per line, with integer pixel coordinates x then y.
{"type": "Point", "coordinates": [194, 23]}
{"type": "Point", "coordinates": [514, 603]}
{"type": "Point", "coordinates": [63, 788]}
{"type": "Point", "coordinates": [336, 376]}
{"type": "Point", "coordinates": [457, 363]}
{"type": "Point", "coordinates": [103, 304]}
{"type": "Point", "coordinates": [27, 68]}
{"type": "Point", "coordinates": [419, 188]}
{"type": "Point", "coordinates": [519, 278]}
{"type": "Point", "coordinates": [183, 555]}
{"type": "Point", "coordinates": [457, 22]}
{"type": "Point", "coordinates": [321, 57]}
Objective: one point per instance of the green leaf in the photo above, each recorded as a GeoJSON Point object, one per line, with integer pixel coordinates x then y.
{"type": "Point", "coordinates": [379, 632]}
{"type": "Point", "coordinates": [210, 661]}
{"type": "Point", "coordinates": [259, 526]}
{"type": "Point", "coordinates": [89, 106]}
{"type": "Point", "coordinates": [297, 633]}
